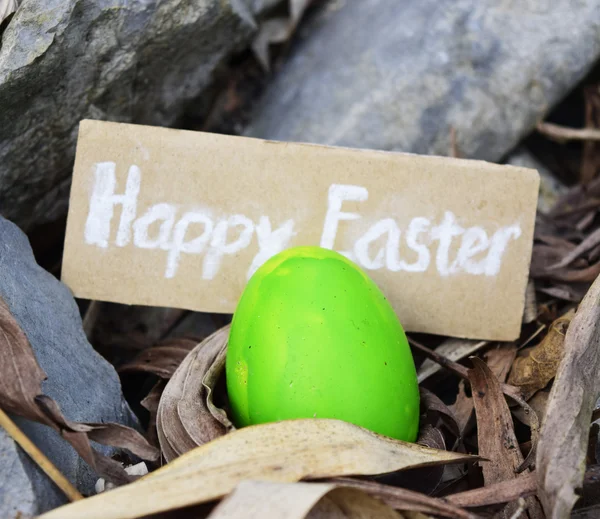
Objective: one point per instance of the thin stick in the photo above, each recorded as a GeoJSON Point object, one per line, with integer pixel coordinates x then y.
{"type": "Point", "coordinates": [563, 134]}
{"type": "Point", "coordinates": [39, 457]}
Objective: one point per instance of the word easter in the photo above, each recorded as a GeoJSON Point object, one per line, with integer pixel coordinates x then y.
{"type": "Point", "coordinates": [177, 236]}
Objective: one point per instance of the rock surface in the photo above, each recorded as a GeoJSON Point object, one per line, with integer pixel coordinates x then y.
{"type": "Point", "coordinates": [85, 386]}
{"type": "Point", "coordinates": [399, 75]}
{"type": "Point", "coordinates": [550, 187]}
{"type": "Point", "coordinates": [65, 60]}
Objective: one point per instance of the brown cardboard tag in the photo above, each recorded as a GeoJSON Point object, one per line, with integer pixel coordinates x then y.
{"type": "Point", "coordinates": [175, 218]}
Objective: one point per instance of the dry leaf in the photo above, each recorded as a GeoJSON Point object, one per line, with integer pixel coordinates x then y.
{"type": "Point", "coordinates": [186, 416]}
{"type": "Point", "coordinates": [462, 409]}
{"type": "Point", "coordinates": [406, 500]}
{"type": "Point", "coordinates": [500, 359]}
{"type": "Point", "coordinates": [285, 452]}
{"type": "Point", "coordinates": [264, 500]}
{"type": "Point", "coordinates": [161, 360]}
{"type": "Point", "coordinates": [437, 413]}
{"type": "Point", "coordinates": [452, 349]}
{"type": "Point", "coordinates": [21, 380]}
{"type": "Point", "coordinates": [538, 403]}
{"type": "Point", "coordinates": [496, 435]}
{"type": "Point", "coordinates": [8, 7]}
{"type": "Point", "coordinates": [538, 366]}
{"type": "Point", "coordinates": [497, 493]}
{"type": "Point", "coordinates": [564, 436]}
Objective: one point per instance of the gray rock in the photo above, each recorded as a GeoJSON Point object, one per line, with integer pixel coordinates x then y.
{"type": "Point", "coordinates": [399, 75]}
{"type": "Point", "coordinates": [85, 386]}
{"type": "Point", "coordinates": [551, 188]}
{"type": "Point", "coordinates": [132, 61]}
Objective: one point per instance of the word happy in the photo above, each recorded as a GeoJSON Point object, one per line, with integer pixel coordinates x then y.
{"type": "Point", "coordinates": [195, 232]}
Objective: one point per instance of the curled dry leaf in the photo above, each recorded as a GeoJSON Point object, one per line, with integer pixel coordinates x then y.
{"type": "Point", "coordinates": [564, 436]}
{"type": "Point", "coordinates": [186, 416]}
{"type": "Point", "coordinates": [437, 413]}
{"type": "Point", "coordinates": [161, 360]}
{"type": "Point", "coordinates": [21, 380]}
{"type": "Point", "coordinates": [285, 452]}
{"type": "Point", "coordinates": [533, 370]}
{"type": "Point", "coordinates": [8, 7]}
{"type": "Point", "coordinates": [496, 436]}
{"type": "Point", "coordinates": [264, 500]}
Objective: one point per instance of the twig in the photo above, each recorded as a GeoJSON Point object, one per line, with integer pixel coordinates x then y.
{"type": "Point", "coordinates": [564, 134]}
{"type": "Point", "coordinates": [519, 511]}
{"type": "Point", "coordinates": [38, 457]}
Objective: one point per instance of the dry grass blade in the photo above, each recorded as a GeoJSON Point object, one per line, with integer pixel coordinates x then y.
{"type": "Point", "coordinates": [496, 436]}
{"type": "Point", "coordinates": [564, 436]}
{"type": "Point", "coordinates": [264, 500]}
{"type": "Point", "coordinates": [498, 493]}
{"type": "Point", "coordinates": [563, 133]}
{"type": "Point", "coordinates": [407, 500]}
{"type": "Point", "coordinates": [532, 371]}
{"type": "Point", "coordinates": [39, 457]}
{"type": "Point", "coordinates": [21, 393]}
{"type": "Point", "coordinates": [185, 419]}
{"type": "Point", "coordinates": [285, 452]}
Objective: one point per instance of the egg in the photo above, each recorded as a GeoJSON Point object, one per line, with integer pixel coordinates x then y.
{"type": "Point", "coordinates": [314, 337]}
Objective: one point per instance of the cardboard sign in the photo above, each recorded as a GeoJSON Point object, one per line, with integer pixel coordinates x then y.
{"type": "Point", "coordinates": [182, 219]}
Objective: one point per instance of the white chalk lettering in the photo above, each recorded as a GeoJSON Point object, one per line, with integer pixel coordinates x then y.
{"type": "Point", "coordinates": [195, 246]}
{"type": "Point", "coordinates": [270, 242]}
{"type": "Point", "coordinates": [385, 244]}
{"type": "Point", "coordinates": [159, 212]}
{"type": "Point", "coordinates": [338, 193]}
{"type": "Point", "coordinates": [103, 201]}
{"type": "Point", "coordinates": [444, 233]}
{"type": "Point", "coordinates": [498, 246]}
{"type": "Point", "coordinates": [219, 246]}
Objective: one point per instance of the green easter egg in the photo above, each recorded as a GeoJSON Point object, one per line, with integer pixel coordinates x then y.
{"type": "Point", "coordinates": [313, 336]}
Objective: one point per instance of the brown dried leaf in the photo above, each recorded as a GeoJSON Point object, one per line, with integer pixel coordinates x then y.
{"type": "Point", "coordinates": [186, 416]}
{"type": "Point", "coordinates": [497, 493]}
{"type": "Point", "coordinates": [538, 403]}
{"type": "Point", "coordinates": [285, 452]}
{"type": "Point", "coordinates": [161, 360]}
{"type": "Point", "coordinates": [496, 435]}
{"type": "Point", "coordinates": [150, 402]}
{"type": "Point", "coordinates": [500, 359]}
{"type": "Point", "coordinates": [532, 371]}
{"type": "Point", "coordinates": [436, 411]}
{"type": "Point", "coordinates": [587, 244]}
{"type": "Point", "coordinates": [264, 500]}
{"type": "Point", "coordinates": [564, 436]}
{"type": "Point", "coordinates": [462, 409]}
{"type": "Point", "coordinates": [406, 500]}
{"type": "Point", "coordinates": [21, 393]}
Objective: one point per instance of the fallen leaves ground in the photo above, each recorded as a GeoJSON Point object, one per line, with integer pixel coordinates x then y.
{"type": "Point", "coordinates": [506, 429]}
